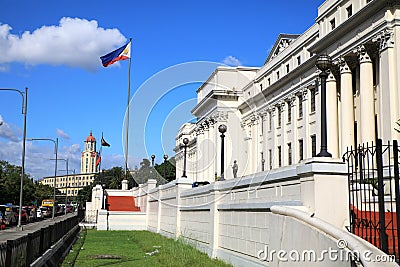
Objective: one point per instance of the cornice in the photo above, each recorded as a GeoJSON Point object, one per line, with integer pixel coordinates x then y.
{"type": "Point", "coordinates": [277, 85]}
{"type": "Point", "coordinates": [347, 26]}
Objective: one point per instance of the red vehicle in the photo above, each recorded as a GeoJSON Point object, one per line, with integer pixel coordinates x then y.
{"type": "Point", "coordinates": [24, 216]}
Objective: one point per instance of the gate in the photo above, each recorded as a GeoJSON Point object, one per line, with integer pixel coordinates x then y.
{"type": "Point", "coordinates": [374, 197]}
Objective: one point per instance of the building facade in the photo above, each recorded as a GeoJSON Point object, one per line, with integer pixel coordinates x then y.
{"type": "Point", "coordinates": [272, 113]}
{"type": "Point", "coordinates": [71, 184]}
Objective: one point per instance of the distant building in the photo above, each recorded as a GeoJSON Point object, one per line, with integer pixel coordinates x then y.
{"type": "Point", "coordinates": [72, 183]}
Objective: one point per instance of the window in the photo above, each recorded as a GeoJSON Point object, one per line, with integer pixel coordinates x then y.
{"type": "Point", "coordinates": [333, 24]}
{"type": "Point", "coordinates": [279, 109]}
{"type": "Point", "coordinates": [269, 81]}
{"type": "Point", "coordinates": [262, 125]}
{"type": "Point", "coordinates": [301, 149]}
{"type": "Point", "coordinates": [313, 145]}
{"type": "Point", "coordinates": [287, 68]}
{"type": "Point", "coordinates": [300, 98]}
{"type": "Point", "coordinates": [312, 100]}
{"type": "Point", "coordinates": [277, 75]}
{"type": "Point", "coordinates": [279, 156]}
{"type": "Point", "coordinates": [261, 88]}
{"type": "Point", "coordinates": [270, 158]}
{"type": "Point", "coordinates": [349, 11]}
{"type": "Point", "coordinates": [290, 153]}
{"type": "Point", "coordinates": [298, 61]}
{"type": "Point", "coordinates": [289, 114]}
{"type": "Point", "coordinates": [270, 121]}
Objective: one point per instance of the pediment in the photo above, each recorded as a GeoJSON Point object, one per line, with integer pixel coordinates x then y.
{"type": "Point", "coordinates": [283, 41]}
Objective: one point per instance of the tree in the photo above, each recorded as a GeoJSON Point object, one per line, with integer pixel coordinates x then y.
{"type": "Point", "coordinates": [108, 179]}
{"type": "Point", "coordinates": [10, 179]}
{"type": "Point", "coordinates": [170, 169]}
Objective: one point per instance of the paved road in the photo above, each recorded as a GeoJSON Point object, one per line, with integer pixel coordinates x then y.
{"type": "Point", "coordinates": [14, 233]}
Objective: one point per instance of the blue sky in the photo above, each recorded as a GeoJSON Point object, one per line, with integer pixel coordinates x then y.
{"type": "Point", "coordinates": [53, 48]}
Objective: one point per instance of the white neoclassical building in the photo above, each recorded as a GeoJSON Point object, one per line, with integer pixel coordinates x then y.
{"type": "Point", "coordinates": [272, 113]}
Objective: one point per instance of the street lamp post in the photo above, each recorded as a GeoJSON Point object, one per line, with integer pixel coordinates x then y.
{"type": "Point", "coordinates": [323, 63]}
{"type": "Point", "coordinates": [24, 96]}
{"type": "Point", "coordinates": [165, 166]}
{"type": "Point", "coordinates": [152, 160]}
{"type": "Point", "coordinates": [262, 164]}
{"type": "Point", "coordinates": [55, 167]}
{"type": "Point", "coordinates": [222, 129]}
{"type": "Point", "coordinates": [66, 196]}
{"type": "Point", "coordinates": [185, 143]}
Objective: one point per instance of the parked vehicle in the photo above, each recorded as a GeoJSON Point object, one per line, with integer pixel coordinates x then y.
{"type": "Point", "coordinates": [11, 214]}
{"type": "Point", "coordinates": [31, 212]}
{"type": "Point", "coordinates": [46, 211]}
{"type": "Point", "coordinates": [39, 214]}
{"type": "Point", "coordinates": [24, 215]}
{"type": "Point", "coordinates": [2, 217]}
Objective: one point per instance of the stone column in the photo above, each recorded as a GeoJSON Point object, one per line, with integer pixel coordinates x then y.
{"type": "Point", "coordinates": [388, 83]}
{"type": "Point", "coordinates": [332, 116]}
{"type": "Point", "coordinates": [367, 107]}
{"type": "Point", "coordinates": [347, 108]}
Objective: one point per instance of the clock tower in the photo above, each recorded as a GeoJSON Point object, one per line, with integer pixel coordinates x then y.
{"type": "Point", "coordinates": [89, 155]}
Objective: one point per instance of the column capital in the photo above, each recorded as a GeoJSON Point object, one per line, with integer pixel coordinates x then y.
{"type": "Point", "coordinates": [290, 100]}
{"type": "Point", "coordinates": [220, 116]}
{"type": "Point", "coordinates": [343, 66]}
{"type": "Point", "coordinates": [330, 78]}
{"type": "Point", "coordinates": [304, 93]}
{"type": "Point", "coordinates": [385, 39]}
{"type": "Point", "coordinates": [362, 54]}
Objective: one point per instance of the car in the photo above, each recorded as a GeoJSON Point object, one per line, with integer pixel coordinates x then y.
{"type": "Point", "coordinates": [24, 216]}
{"type": "Point", "coordinates": [39, 214]}
{"type": "Point", "coordinates": [46, 212]}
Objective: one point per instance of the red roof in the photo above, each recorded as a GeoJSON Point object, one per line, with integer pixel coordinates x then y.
{"type": "Point", "coordinates": [90, 138]}
{"type": "Point", "coordinates": [121, 203]}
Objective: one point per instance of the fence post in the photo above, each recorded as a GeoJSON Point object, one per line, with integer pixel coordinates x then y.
{"type": "Point", "coordinates": [41, 242]}
{"type": "Point", "coordinates": [29, 249]}
{"type": "Point", "coordinates": [381, 198]}
{"type": "Point", "coordinates": [397, 189]}
{"type": "Point", "coordinates": [9, 252]}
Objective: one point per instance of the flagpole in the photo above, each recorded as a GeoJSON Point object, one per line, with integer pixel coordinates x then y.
{"type": "Point", "coordinates": [101, 152]}
{"type": "Point", "coordinates": [127, 115]}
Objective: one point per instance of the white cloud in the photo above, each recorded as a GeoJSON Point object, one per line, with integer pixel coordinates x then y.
{"type": "Point", "coordinates": [232, 61]}
{"type": "Point", "coordinates": [62, 134]}
{"type": "Point", "coordinates": [9, 131]}
{"type": "Point", "coordinates": [74, 42]}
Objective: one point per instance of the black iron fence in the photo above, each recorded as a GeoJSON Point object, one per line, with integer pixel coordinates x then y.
{"type": "Point", "coordinates": [374, 197]}
{"type": "Point", "coordinates": [25, 249]}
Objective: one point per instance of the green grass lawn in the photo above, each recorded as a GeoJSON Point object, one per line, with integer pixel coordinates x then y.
{"type": "Point", "coordinates": [129, 248]}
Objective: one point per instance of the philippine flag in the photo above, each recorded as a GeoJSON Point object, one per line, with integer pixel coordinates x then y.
{"type": "Point", "coordinates": [98, 158]}
{"type": "Point", "coordinates": [121, 53]}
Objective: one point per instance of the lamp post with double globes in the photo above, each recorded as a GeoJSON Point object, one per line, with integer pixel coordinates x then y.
{"type": "Point", "coordinates": [222, 129]}
{"type": "Point", "coordinates": [323, 63]}
{"type": "Point", "coordinates": [185, 143]}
